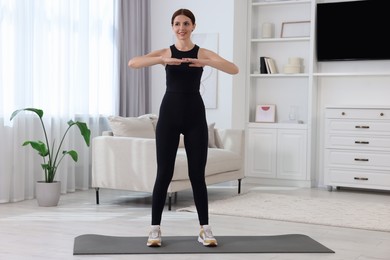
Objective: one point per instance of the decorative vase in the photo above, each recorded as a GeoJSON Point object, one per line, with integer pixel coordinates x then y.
{"type": "Point", "coordinates": [48, 194]}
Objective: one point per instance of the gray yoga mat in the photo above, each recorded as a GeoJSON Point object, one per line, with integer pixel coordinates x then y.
{"type": "Point", "coordinates": [92, 244]}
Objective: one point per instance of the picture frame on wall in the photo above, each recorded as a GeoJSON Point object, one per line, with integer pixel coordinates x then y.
{"type": "Point", "coordinates": [265, 113]}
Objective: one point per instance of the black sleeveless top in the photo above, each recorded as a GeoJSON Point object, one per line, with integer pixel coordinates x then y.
{"type": "Point", "coordinates": [183, 78]}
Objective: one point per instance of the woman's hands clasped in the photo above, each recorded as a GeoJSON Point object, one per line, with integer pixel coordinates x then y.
{"type": "Point", "coordinates": [192, 62]}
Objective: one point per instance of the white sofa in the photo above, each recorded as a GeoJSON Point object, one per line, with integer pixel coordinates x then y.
{"type": "Point", "coordinates": [127, 161]}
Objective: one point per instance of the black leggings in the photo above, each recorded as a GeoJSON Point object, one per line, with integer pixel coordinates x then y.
{"type": "Point", "coordinates": [181, 113]}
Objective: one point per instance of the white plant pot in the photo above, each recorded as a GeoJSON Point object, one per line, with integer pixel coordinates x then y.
{"type": "Point", "coordinates": [48, 194]}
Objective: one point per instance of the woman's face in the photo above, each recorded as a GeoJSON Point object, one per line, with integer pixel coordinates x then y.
{"type": "Point", "coordinates": [183, 27]}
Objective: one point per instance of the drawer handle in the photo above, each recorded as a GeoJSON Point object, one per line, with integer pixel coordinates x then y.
{"type": "Point", "coordinates": [361, 160]}
{"type": "Point", "coordinates": [362, 126]}
{"type": "Point", "coordinates": [361, 178]}
{"type": "Point", "coordinates": [381, 114]}
{"type": "Point", "coordinates": [362, 142]}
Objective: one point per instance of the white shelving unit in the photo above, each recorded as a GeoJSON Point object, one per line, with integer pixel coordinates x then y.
{"type": "Point", "coordinates": [280, 152]}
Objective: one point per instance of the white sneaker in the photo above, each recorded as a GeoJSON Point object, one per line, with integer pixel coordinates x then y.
{"type": "Point", "coordinates": [154, 239]}
{"type": "Point", "coordinates": [206, 236]}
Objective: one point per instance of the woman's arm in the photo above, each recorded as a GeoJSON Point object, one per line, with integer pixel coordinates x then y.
{"type": "Point", "coordinates": [209, 58]}
{"type": "Point", "coordinates": [153, 58]}
{"type": "Point", "coordinates": [150, 59]}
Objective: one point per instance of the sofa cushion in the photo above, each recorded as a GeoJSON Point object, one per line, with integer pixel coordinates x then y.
{"type": "Point", "coordinates": [131, 127]}
{"type": "Point", "coordinates": [218, 161]}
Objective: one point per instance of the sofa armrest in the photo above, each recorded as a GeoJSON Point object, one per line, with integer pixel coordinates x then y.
{"type": "Point", "coordinates": [232, 139]}
{"type": "Point", "coordinates": [127, 163]}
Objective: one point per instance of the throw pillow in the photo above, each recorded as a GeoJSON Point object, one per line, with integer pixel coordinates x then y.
{"type": "Point", "coordinates": [218, 140]}
{"type": "Point", "coordinates": [212, 136]}
{"type": "Point", "coordinates": [152, 117]}
{"type": "Point", "coordinates": [131, 127]}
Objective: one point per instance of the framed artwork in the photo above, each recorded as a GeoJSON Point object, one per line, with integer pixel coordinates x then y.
{"type": "Point", "coordinates": [265, 113]}
{"type": "Point", "coordinates": [295, 29]}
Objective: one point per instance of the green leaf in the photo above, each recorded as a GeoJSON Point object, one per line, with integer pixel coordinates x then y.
{"type": "Point", "coordinates": [38, 146]}
{"type": "Point", "coordinates": [39, 112]}
{"type": "Point", "coordinates": [84, 130]}
{"type": "Point", "coordinates": [72, 154]}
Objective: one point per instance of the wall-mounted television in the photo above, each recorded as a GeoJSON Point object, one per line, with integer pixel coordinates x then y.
{"type": "Point", "coordinates": [353, 30]}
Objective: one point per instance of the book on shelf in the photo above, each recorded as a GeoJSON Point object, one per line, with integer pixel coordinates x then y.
{"type": "Point", "coordinates": [267, 65]}
{"type": "Point", "coordinates": [272, 66]}
{"type": "Point", "coordinates": [263, 66]}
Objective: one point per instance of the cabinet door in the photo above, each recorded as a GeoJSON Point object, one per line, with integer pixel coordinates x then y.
{"type": "Point", "coordinates": [261, 153]}
{"type": "Point", "coordinates": [291, 156]}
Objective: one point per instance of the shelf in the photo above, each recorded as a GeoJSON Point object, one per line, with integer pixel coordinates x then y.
{"type": "Point", "coordinates": [277, 125]}
{"type": "Point", "coordinates": [280, 150]}
{"type": "Point", "coordinates": [292, 39]}
{"type": "Point", "coordinates": [357, 74]}
{"type": "Point", "coordinates": [280, 75]}
{"type": "Point", "coordinates": [366, 107]}
{"type": "Point", "coordinates": [280, 2]}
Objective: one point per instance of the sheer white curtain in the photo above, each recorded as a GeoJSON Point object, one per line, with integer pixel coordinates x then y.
{"type": "Point", "coordinates": [59, 56]}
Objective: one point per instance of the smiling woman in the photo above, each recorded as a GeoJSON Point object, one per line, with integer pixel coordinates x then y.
{"type": "Point", "coordinates": [182, 111]}
{"type": "Point", "coordinates": [60, 56]}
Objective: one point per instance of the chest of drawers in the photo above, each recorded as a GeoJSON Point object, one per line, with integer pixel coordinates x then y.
{"type": "Point", "coordinates": [357, 147]}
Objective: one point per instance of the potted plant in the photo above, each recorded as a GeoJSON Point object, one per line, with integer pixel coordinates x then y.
{"type": "Point", "coordinates": [52, 157]}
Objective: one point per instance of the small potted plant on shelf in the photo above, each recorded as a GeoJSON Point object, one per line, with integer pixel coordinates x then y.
{"type": "Point", "coordinates": [52, 157]}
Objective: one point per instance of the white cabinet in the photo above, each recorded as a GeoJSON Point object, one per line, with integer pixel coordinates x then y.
{"type": "Point", "coordinates": [357, 147]}
{"type": "Point", "coordinates": [261, 153]}
{"type": "Point", "coordinates": [281, 150]}
{"type": "Point", "coordinates": [277, 153]}
{"type": "Point", "coordinates": [291, 155]}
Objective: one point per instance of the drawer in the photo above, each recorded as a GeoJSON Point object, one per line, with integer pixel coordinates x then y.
{"type": "Point", "coordinates": [345, 158]}
{"type": "Point", "coordinates": [360, 142]}
{"type": "Point", "coordinates": [358, 126]}
{"type": "Point", "coordinates": [358, 179]}
{"type": "Point", "coordinates": [358, 113]}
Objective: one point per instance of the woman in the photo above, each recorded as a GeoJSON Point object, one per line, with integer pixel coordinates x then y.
{"type": "Point", "coordinates": [182, 112]}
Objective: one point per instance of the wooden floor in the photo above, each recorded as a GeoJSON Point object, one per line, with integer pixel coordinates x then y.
{"type": "Point", "coordinates": [31, 232]}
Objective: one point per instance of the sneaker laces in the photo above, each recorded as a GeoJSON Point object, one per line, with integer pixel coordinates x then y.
{"type": "Point", "coordinates": [208, 233]}
{"type": "Point", "coordinates": [155, 232]}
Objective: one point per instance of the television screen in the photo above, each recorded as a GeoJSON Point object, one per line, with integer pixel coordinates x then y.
{"type": "Point", "coordinates": [354, 30]}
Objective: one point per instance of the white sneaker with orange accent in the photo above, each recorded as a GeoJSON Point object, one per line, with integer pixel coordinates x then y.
{"type": "Point", "coordinates": [206, 236]}
{"type": "Point", "coordinates": [154, 239]}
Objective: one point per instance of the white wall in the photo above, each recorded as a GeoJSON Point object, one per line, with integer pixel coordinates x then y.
{"type": "Point", "coordinates": [212, 16]}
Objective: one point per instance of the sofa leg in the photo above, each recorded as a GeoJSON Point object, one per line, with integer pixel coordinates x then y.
{"type": "Point", "coordinates": [97, 195]}
{"type": "Point", "coordinates": [169, 201]}
{"type": "Point", "coordinates": [239, 186]}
